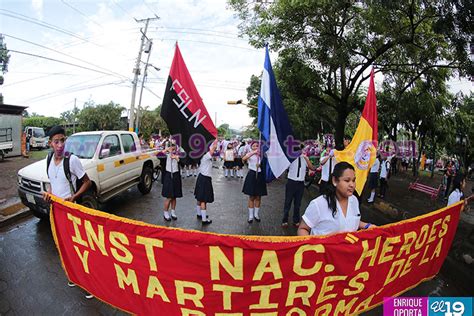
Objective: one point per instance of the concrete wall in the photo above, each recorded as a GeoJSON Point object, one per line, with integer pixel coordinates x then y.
{"type": "Point", "coordinates": [13, 121]}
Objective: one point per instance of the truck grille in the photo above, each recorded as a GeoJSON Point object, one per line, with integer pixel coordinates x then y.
{"type": "Point", "coordinates": [31, 185]}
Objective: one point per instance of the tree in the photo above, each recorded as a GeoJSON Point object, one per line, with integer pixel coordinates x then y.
{"type": "Point", "coordinates": [331, 45]}
{"type": "Point", "coordinates": [101, 117]}
{"type": "Point", "coordinates": [151, 122]}
{"type": "Point", "coordinates": [4, 59]}
{"type": "Point", "coordinates": [45, 122]}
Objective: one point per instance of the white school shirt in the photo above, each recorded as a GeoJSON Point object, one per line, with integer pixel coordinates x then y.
{"type": "Point", "coordinates": [384, 170]}
{"type": "Point", "coordinates": [205, 168]}
{"type": "Point", "coordinates": [171, 164]}
{"type": "Point", "coordinates": [229, 155]}
{"type": "Point", "coordinates": [454, 197]}
{"type": "Point", "coordinates": [59, 184]}
{"type": "Point", "coordinates": [325, 169]}
{"type": "Point", "coordinates": [375, 166]}
{"type": "Point", "coordinates": [242, 151]}
{"type": "Point", "coordinates": [319, 217]}
{"type": "Point", "coordinates": [252, 161]}
{"type": "Point", "coordinates": [293, 170]}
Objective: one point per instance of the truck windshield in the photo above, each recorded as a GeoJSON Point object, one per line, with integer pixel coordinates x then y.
{"type": "Point", "coordinates": [83, 146]}
{"type": "Point", "coordinates": [38, 132]}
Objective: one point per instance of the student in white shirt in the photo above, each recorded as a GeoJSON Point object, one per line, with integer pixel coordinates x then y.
{"type": "Point", "coordinates": [459, 184]}
{"type": "Point", "coordinates": [327, 163]}
{"type": "Point", "coordinates": [203, 191]}
{"type": "Point", "coordinates": [373, 178]}
{"type": "Point", "coordinates": [295, 188]}
{"type": "Point", "coordinates": [337, 210]}
{"type": "Point", "coordinates": [254, 185]}
{"type": "Point", "coordinates": [238, 160]}
{"type": "Point", "coordinates": [229, 160]}
{"type": "Point", "coordinates": [172, 187]}
{"type": "Point", "coordinates": [384, 171]}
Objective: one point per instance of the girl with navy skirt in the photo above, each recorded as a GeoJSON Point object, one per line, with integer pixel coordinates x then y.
{"type": "Point", "coordinates": [203, 191]}
{"type": "Point", "coordinates": [254, 185]}
{"type": "Point", "coordinates": [172, 188]}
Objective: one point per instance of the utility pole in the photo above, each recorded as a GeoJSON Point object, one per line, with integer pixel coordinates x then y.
{"type": "Point", "coordinates": [148, 51]}
{"type": "Point", "coordinates": [136, 72]}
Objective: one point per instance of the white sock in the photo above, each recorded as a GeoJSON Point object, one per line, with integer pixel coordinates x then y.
{"type": "Point", "coordinates": [173, 213]}
{"type": "Point", "coordinates": [198, 210]}
{"type": "Point", "coordinates": [257, 209]}
{"type": "Point", "coordinates": [167, 214]}
{"type": "Point", "coordinates": [226, 172]}
{"type": "Point", "coordinates": [232, 173]}
{"type": "Point", "coordinates": [250, 213]}
{"type": "Point", "coordinates": [204, 216]}
{"type": "Point", "coordinates": [372, 196]}
{"type": "Point", "coordinates": [195, 172]}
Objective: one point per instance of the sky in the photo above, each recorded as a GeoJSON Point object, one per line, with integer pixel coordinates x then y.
{"type": "Point", "coordinates": [103, 37]}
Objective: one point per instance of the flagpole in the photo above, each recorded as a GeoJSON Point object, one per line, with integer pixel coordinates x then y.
{"type": "Point", "coordinates": [259, 154]}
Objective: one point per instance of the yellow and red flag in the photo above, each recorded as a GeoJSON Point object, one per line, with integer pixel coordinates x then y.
{"type": "Point", "coordinates": [361, 152]}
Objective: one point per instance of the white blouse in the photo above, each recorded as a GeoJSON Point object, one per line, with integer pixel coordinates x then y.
{"type": "Point", "coordinates": [319, 217]}
{"type": "Point", "coordinates": [253, 161]}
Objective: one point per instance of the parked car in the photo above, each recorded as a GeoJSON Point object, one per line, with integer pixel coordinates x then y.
{"type": "Point", "coordinates": [113, 160]}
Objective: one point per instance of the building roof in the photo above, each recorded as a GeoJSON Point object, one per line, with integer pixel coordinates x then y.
{"type": "Point", "coordinates": [11, 109]}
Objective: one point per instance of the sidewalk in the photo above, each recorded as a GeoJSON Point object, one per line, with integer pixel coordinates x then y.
{"type": "Point", "coordinates": [12, 210]}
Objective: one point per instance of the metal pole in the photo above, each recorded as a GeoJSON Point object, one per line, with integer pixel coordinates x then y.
{"type": "Point", "coordinates": [136, 72]}
{"type": "Point", "coordinates": [141, 90]}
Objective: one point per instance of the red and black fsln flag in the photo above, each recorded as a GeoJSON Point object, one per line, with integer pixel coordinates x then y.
{"type": "Point", "coordinates": [184, 112]}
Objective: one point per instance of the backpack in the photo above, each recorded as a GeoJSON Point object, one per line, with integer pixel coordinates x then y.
{"type": "Point", "coordinates": [67, 171]}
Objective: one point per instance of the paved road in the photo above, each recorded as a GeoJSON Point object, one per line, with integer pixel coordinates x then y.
{"type": "Point", "coordinates": [32, 281]}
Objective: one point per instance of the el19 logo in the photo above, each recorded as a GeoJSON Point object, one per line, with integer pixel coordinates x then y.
{"type": "Point", "coordinates": [450, 306]}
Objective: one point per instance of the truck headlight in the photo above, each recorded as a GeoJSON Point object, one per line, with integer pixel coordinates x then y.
{"type": "Point", "coordinates": [46, 186]}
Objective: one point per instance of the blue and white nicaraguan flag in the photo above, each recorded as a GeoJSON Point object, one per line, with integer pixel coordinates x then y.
{"type": "Point", "coordinates": [274, 125]}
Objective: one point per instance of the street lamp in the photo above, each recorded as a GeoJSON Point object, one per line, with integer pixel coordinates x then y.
{"type": "Point", "coordinates": [240, 102]}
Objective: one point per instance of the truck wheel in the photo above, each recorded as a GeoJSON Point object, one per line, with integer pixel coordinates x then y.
{"type": "Point", "coordinates": [2, 155]}
{"type": "Point", "coordinates": [89, 200]}
{"type": "Point", "coordinates": [156, 173]}
{"type": "Point", "coordinates": [42, 216]}
{"type": "Point", "coordinates": [146, 180]}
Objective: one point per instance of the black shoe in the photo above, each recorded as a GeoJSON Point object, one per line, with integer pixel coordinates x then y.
{"type": "Point", "coordinates": [250, 221]}
{"type": "Point", "coordinates": [257, 218]}
{"type": "Point", "coordinates": [198, 216]}
{"type": "Point", "coordinates": [167, 219]}
{"type": "Point", "coordinates": [207, 221]}
{"type": "Point", "coordinates": [174, 217]}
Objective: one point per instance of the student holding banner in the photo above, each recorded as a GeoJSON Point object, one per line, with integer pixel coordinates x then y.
{"type": "Point", "coordinates": [254, 185]}
{"type": "Point", "coordinates": [337, 210]}
{"type": "Point", "coordinates": [172, 187]}
{"type": "Point", "coordinates": [203, 191]}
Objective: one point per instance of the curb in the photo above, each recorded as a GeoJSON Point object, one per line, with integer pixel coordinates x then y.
{"type": "Point", "coordinates": [15, 212]}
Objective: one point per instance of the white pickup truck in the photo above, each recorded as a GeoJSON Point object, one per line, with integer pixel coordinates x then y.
{"type": "Point", "coordinates": [6, 142]}
{"type": "Point", "coordinates": [113, 160]}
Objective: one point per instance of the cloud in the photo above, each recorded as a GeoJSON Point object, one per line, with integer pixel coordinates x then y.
{"type": "Point", "coordinates": [37, 6]}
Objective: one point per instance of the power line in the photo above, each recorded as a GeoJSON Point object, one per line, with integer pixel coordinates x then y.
{"type": "Point", "coordinates": [196, 29]}
{"type": "Point", "coordinates": [62, 62]}
{"type": "Point", "coordinates": [81, 13]}
{"type": "Point", "coordinates": [210, 43]}
{"type": "Point", "coordinates": [36, 78]}
{"type": "Point", "coordinates": [205, 34]}
{"type": "Point", "coordinates": [67, 55]}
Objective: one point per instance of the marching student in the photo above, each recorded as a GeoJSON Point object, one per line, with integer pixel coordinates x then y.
{"type": "Point", "coordinates": [254, 185]}
{"type": "Point", "coordinates": [203, 191]}
{"type": "Point", "coordinates": [373, 178]}
{"type": "Point", "coordinates": [327, 163]}
{"type": "Point", "coordinates": [172, 187]}
{"type": "Point", "coordinates": [384, 174]}
{"type": "Point", "coordinates": [239, 164]}
{"type": "Point", "coordinates": [295, 187]}
{"type": "Point", "coordinates": [63, 177]}
{"type": "Point", "coordinates": [229, 160]}
{"type": "Point", "coordinates": [337, 210]}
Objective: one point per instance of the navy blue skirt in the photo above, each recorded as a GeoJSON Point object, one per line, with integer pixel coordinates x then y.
{"type": "Point", "coordinates": [373, 180]}
{"type": "Point", "coordinates": [203, 191]}
{"type": "Point", "coordinates": [255, 185]}
{"type": "Point", "coordinates": [172, 187]}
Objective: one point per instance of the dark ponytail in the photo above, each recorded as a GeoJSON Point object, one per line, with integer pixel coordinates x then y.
{"type": "Point", "coordinates": [330, 192]}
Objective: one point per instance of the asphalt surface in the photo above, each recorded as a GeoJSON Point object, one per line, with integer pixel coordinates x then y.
{"type": "Point", "coordinates": [32, 281]}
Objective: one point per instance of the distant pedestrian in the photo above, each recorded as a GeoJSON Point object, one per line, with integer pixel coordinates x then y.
{"type": "Point", "coordinates": [384, 175]}
{"type": "Point", "coordinates": [373, 178]}
{"type": "Point", "coordinates": [327, 163]}
{"type": "Point", "coordinates": [449, 174]}
{"type": "Point", "coordinates": [203, 191]}
{"type": "Point", "coordinates": [295, 188]}
{"type": "Point", "coordinates": [229, 161]}
{"type": "Point", "coordinates": [254, 185]}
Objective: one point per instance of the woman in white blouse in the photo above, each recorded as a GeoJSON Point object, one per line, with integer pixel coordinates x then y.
{"type": "Point", "coordinates": [254, 185]}
{"type": "Point", "coordinates": [337, 210]}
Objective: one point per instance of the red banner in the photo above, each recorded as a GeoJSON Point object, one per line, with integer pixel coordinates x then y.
{"type": "Point", "coordinates": [146, 269]}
